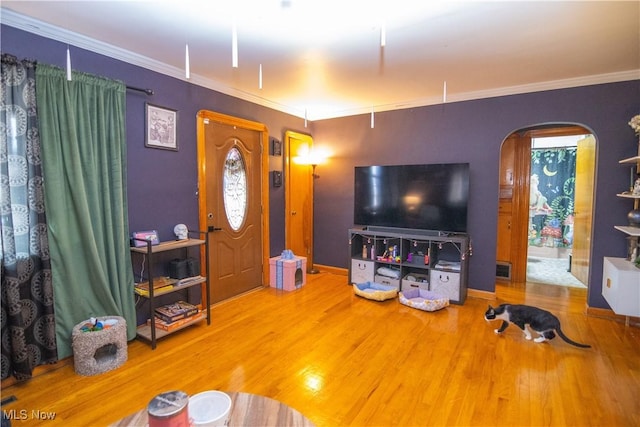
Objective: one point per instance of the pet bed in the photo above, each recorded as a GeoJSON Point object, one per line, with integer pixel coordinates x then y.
{"type": "Point", "coordinates": [375, 291]}
{"type": "Point", "coordinates": [423, 299]}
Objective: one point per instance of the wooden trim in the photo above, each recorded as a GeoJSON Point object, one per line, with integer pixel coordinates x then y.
{"type": "Point", "coordinates": [476, 293]}
{"type": "Point", "coordinates": [299, 242]}
{"type": "Point", "coordinates": [333, 270]}
{"type": "Point", "coordinates": [520, 209]}
{"type": "Point", "coordinates": [249, 125]}
{"type": "Point", "coordinates": [610, 315]}
{"type": "Point", "coordinates": [521, 187]}
{"type": "Point", "coordinates": [557, 130]}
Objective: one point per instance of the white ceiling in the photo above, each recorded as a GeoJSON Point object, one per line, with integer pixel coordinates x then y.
{"type": "Point", "coordinates": [323, 58]}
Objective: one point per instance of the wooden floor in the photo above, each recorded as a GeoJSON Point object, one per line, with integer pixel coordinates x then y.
{"type": "Point", "coordinates": [343, 360]}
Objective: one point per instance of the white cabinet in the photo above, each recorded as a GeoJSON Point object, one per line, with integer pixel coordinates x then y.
{"type": "Point", "coordinates": [416, 280]}
{"type": "Point", "coordinates": [446, 283]}
{"type": "Point", "coordinates": [389, 281]}
{"type": "Point", "coordinates": [362, 271]}
{"type": "Point", "coordinates": [621, 286]}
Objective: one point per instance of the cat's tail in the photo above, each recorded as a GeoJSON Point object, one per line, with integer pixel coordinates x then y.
{"type": "Point", "coordinates": [570, 341]}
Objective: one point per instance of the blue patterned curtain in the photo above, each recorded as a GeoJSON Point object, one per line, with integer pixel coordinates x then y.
{"type": "Point", "coordinates": [553, 173]}
{"type": "Point", "coordinates": [28, 324]}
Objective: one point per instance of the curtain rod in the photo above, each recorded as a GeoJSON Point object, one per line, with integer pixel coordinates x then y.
{"type": "Point", "coordinates": [147, 91]}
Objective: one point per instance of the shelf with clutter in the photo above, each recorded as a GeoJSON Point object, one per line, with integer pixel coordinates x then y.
{"type": "Point", "coordinates": [621, 276]}
{"type": "Point", "coordinates": [633, 218]}
{"type": "Point", "coordinates": [185, 273]}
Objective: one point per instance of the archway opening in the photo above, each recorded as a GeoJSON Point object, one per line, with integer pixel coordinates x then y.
{"type": "Point", "coordinates": [545, 207]}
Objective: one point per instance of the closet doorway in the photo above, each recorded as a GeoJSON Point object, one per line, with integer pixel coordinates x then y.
{"type": "Point", "coordinates": [545, 209]}
{"type": "Point", "coordinates": [298, 197]}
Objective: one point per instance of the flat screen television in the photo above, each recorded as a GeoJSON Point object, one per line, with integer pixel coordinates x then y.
{"type": "Point", "coordinates": [428, 197]}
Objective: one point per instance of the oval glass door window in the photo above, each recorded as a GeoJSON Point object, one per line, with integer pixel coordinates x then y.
{"type": "Point", "coordinates": [234, 187]}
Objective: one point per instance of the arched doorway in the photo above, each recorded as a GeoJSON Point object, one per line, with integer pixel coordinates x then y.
{"type": "Point", "coordinates": [563, 229]}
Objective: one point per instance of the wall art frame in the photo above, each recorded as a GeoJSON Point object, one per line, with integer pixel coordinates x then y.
{"type": "Point", "coordinates": [161, 127]}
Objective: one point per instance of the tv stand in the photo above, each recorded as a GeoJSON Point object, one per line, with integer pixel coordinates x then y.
{"type": "Point", "coordinates": [428, 259]}
{"type": "Point", "coordinates": [412, 231]}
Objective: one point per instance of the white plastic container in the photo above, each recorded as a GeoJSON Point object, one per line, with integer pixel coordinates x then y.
{"type": "Point", "coordinates": [209, 408]}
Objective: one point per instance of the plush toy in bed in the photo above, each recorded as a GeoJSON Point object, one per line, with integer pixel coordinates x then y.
{"type": "Point", "coordinates": [423, 299]}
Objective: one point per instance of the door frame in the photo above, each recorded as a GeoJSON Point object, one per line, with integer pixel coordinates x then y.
{"type": "Point", "coordinates": [224, 119]}
{"type": "Point", "coordinates": [308, 229]}
{"type": "Point", "coordinates": [521, 190]}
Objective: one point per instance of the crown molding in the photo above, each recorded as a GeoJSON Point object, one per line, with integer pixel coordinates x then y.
{"type": "Point", "coordinates": [43, 29]}
{"type": "Point", "coordinates": [49, 31]}
{"type": "Point", "coordinates": [492, 93]}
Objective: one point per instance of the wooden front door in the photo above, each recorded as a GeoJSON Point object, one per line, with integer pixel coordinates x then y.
{"type": "Point", "coordinates": [298, 197]}
{"type": "Point", "coordinates": [232, 202]}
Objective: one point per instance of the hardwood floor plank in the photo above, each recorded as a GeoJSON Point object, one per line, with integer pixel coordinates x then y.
{"type": "Point", "coordinates": [343, 360]}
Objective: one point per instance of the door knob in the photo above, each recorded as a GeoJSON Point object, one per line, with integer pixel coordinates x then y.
{"type": "Point", "coordinates": [293, 212]}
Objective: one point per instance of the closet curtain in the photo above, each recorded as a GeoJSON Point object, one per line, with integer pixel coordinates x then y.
{"type": "Point", "coordinates": [28, 326]}
{"type": "Point", "coordinates": [82, 127]}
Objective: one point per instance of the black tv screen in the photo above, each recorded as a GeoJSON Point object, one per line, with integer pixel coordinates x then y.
{"type": "Point", "coordinates": [428, 197]}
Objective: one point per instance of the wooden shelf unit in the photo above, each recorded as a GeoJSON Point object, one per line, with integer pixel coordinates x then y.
{"type": "Point", "coordinates": [621, 278]}
{"type": "Point", "coordinates": [149, 332]}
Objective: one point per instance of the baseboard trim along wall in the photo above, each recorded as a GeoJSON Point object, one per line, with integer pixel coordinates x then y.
{"type": "Point", "coordinates": [610, 315]}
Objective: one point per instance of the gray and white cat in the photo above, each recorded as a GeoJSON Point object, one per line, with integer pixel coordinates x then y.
{"type": "Point", "coordinates": [527, 317]}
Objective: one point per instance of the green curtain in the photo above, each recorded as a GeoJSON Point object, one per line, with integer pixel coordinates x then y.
{"type": "Point", "coordinates": [82, 128]}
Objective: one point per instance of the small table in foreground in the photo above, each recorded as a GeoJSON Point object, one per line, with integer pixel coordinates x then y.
{"type": "Point", "coordinates": [246, 410]}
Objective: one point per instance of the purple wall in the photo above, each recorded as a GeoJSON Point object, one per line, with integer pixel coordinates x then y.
{"type": "Point", "coordinates": [473, 132]}
{"type": "Point", "coordinates": [162, 184]}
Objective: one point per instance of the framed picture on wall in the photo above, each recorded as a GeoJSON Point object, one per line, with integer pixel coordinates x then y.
{"type": "Point", "coordinates": [161, 127]}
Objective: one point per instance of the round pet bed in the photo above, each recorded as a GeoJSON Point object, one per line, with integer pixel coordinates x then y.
{"type": "Point", "coordinates": [375, 291]}
{"type": "Point", "coordinates": [423, 299]}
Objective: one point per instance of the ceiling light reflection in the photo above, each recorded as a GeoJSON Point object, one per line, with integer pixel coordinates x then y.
{"type": "Point", "coordinates": [412, 201]}
{"type": "Point", "coordinates": [311, 156]}
{"type": "Point", "coordinates": [314, 382]}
